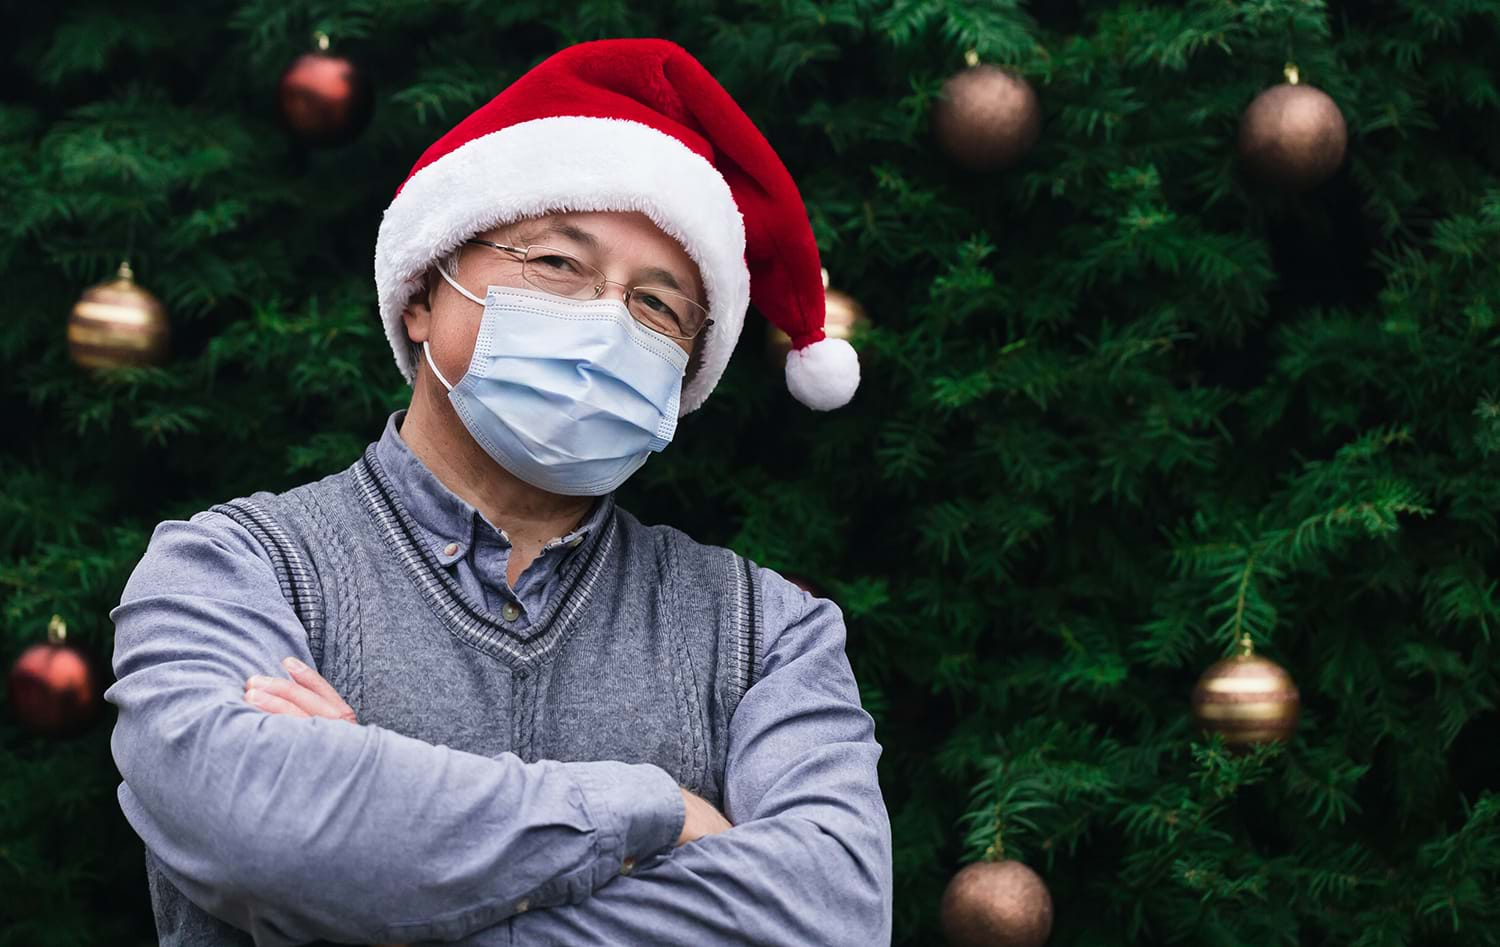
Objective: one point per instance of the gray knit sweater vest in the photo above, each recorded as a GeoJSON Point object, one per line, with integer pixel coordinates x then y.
{"type": "Point", "coordinates": [642, 654]}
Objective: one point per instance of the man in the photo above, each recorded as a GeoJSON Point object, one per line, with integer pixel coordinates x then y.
{"type": "Point", "coordinates": [512, 713]}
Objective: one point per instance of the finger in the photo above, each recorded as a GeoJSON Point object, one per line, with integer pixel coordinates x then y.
{"type": "Point", "coordinates": [272, 704]}
{"type": "Point", "coordinates": [295, 694]}
{"type": "Point", "coordinates": [311, 679]}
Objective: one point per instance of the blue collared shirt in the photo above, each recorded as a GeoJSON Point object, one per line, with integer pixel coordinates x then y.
{"type": "Point", "coordinates": [456, 532]}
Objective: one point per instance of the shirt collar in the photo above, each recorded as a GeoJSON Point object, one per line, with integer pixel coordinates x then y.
{"type": "Point", "coordinates": [447, 518]}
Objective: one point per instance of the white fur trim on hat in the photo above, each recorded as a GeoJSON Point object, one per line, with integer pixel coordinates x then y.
{"type": "Point", "coordinates": [570, 163]}
{"type": "Point", "coordinates": [823, 375]}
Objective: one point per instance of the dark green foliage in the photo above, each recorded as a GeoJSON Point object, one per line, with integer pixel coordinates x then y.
{"type": "Point", "coordinates": [1119, 407]}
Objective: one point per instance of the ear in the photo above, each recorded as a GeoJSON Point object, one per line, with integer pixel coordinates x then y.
{"type": "Point", "coordinates": [418, 313]}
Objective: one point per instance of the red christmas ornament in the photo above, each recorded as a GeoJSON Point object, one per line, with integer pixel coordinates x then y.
{"type": "Point", "coordinates": [804, 585]}
{"type": "Point", "coordinates": [325, 99]}
{"type": "Point", "coordinates": [53, 685]}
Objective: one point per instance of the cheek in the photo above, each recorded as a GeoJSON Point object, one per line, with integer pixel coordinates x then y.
{"type": "Point", "coordinates": [453, 341]}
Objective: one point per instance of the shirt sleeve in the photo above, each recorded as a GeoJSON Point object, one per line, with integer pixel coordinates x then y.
{"type": "Point", "coordinates": [304, 828]}
{"type": "Point", "coordinates": [808, 860]}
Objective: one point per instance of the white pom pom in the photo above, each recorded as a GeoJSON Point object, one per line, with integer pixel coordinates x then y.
{"type": "Point", "coordinates": [823, 375]}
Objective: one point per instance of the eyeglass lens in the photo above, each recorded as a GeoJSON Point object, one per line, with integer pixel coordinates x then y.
{"type": "Point", "coordinates": [662, 309]}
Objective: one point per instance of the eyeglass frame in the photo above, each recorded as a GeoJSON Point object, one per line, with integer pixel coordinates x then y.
{"type": "Point", "coordinates": [599, 286]}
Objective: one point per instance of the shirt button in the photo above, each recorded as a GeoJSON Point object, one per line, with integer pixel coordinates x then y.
{"type": "Point", "coordinates": [627, 865]}
{"type": "Point", "coordinates": [450, 549]}
{"type": "Point", "coordinates": [522, 905]}
{"type": "Point", "coordinates": [510, 611]}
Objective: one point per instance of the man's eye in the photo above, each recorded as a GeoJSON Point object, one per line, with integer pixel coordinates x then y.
{"type": "Point", "coordinates": [558, 263]}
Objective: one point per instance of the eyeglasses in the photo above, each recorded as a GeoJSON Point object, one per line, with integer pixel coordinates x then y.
{"type": "Point", "coordinates": [563, 274]}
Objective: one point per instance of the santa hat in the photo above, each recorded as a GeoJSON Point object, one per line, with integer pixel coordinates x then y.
{"type": "Point", "coordinates": [628, 125]}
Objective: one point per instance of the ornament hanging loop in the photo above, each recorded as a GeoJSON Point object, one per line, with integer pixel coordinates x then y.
{"type": "Point", "coordinates": [995, 851]}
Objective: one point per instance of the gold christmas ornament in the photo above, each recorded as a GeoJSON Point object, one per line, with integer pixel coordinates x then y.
{"type": "Point", "coordinates": [996, 904]}
{"type": "Point", "coordinates": [986, 117]}
{"type": "Point", "coordinates": [325, 99]}
{"type": "Point", "coordinates": [843, 317]}
{"type": "Point", "coordinates": [117, 323]}
{"type": "Point", "coordinates": [1247, 698]}
{"type": "Point", "coordinates": [1292, 135]}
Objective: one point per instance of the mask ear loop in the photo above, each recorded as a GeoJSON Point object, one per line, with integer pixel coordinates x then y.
{"type": "Point", "coordinates": [454, 283]}
{"type": "Point", "coordinates": [427, 351]}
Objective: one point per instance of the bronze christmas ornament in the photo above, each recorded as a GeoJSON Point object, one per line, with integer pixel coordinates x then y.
{"type": "Point", "coordinates": [986, 117]}
{"type": "Point", "coordinates": [996, 904]}
{"type": "Point", "coordinates": [1292, 135]}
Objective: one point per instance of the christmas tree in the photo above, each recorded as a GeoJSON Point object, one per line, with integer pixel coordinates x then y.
{"type": "Point", "coordinates": [1148, 371]}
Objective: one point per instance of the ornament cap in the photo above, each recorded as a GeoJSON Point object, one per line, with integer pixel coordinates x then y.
{"type": "Point", "coordinates": [57, 630]}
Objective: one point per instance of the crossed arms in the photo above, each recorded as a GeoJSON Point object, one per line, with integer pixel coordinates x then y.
{"type": "Point", "coordinates": [297, 829]}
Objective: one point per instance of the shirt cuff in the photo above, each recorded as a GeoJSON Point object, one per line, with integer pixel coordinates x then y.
{"type": "Point", "coordinates": [638, 805]}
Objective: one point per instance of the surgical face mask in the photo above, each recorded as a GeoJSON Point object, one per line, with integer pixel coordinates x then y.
{"type": "Point", "coordinates": [570, 395]}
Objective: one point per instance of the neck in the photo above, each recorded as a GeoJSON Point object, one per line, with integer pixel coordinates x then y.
{"type": "Point", "coordinates": [529, 515]}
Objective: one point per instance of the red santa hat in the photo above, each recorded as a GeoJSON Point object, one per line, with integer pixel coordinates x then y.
{"type": "Point", "coordinates": [628, 125]}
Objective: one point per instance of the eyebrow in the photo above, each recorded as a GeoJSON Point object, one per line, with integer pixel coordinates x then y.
{"type": "Point", "coordinates": [578, 234]}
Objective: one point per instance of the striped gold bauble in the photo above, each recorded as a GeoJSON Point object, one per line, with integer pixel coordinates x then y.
{"type": "Point", "coordinates": [1247, 698]}
{"type": "Point", "coordinates": [843, 316]}
{"type": "Point", "coordinates": [117, 323]}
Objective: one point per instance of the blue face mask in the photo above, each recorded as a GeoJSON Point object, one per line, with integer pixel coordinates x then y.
{"type": "Point", "coordinates": [569, 395]}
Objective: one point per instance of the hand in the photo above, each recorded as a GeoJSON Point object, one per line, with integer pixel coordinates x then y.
{"type": "Point", "coordinates": [702, 818]}
{"type": "Point", "coordinates": [306, 694]}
